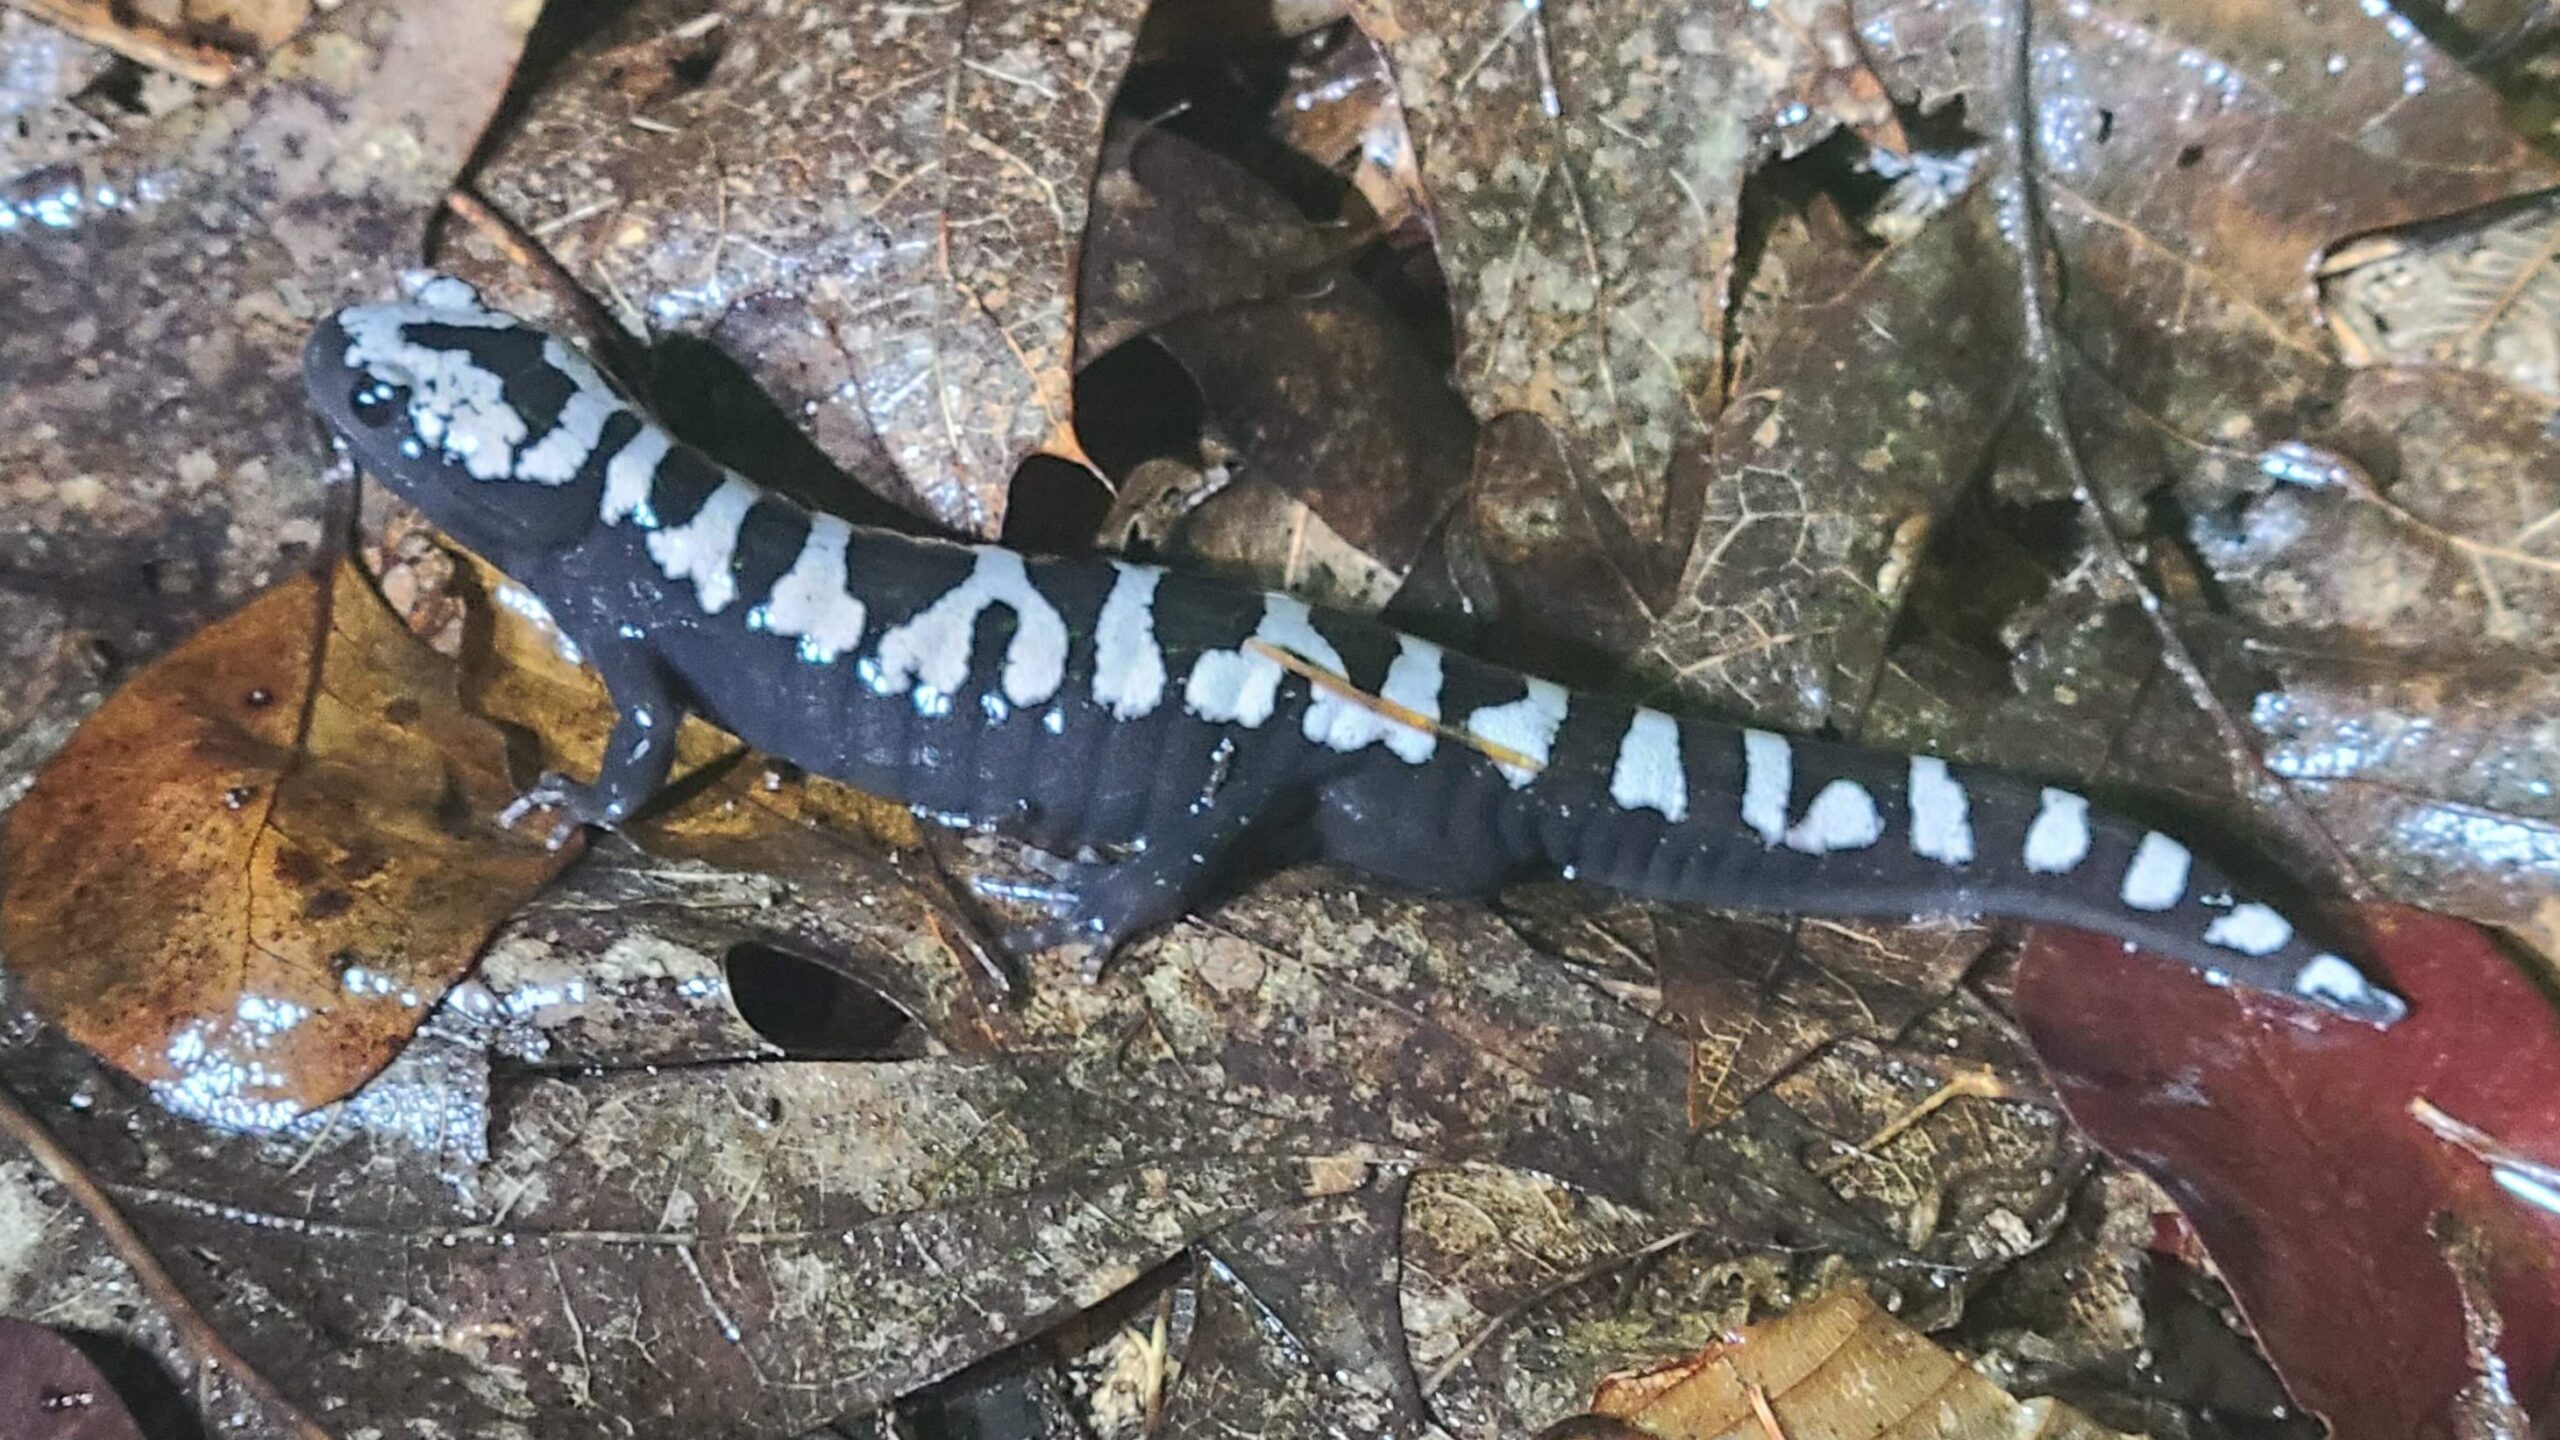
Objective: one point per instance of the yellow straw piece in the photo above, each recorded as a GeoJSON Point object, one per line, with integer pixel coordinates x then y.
{"type": "Point", "coordinates": [1411, 719]}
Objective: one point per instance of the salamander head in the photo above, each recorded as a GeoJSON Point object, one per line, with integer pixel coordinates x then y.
{"type": "Point", "coordinates": [489, 425]}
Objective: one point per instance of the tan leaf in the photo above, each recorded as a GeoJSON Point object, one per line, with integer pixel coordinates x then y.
{"type": "Point", "coordinates": [1836, 1367]}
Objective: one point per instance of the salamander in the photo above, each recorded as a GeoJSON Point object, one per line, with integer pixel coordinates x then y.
{"type": "Point", "coordinates": [1178, 722]}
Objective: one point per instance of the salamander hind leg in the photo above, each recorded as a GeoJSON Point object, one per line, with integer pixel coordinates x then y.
{"type": "Point", "coordinates": [1101, 905]}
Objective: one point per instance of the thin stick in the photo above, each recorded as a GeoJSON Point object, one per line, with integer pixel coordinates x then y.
{"type": "Point", "coordinates": [1404, 715]}
{"type": "Point", "coordinates": [596, 325]}
{"type": "Point", "coordinates": [192, 1329]}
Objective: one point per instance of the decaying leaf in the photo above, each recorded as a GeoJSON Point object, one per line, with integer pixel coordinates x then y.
{"type": "Point", "coordinates": [873, 209]}
{"type": "Point", "coordinates": [249, 875]}
{"type": "Point", "coordinates": [1837, 1366]}
{"type": "Point", "coordinates": [2477, 291]}
{"type": "Point", "coordinates": [2288, 1142]}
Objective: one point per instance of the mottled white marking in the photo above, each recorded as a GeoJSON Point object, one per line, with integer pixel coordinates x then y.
{"type": "Point", "coordinates": [2157, 878]}
{"type": "Point", "coordinates": [702, 548]}
{"type": "Point", "coordinates": [1128, 664]}
{"type": "Point", "coordinates": [933, 647]}
{"type": "Point", "coordinates": [1413, 682]}
{"type": "Point", "coordinates": [455, 404]}
{"type": "Point", "coordinates": [435, 290]}
{"type": "Point", "coordinates": [1649, 775]}
{"type": "Point", "coordinates": [1332, 719]}
{"type": "Point", "coordinates": [1526, 726]}
{"type": "Point", "coordinates": [2326, 977]}
{"type": "Point", "coordinates": [811, 603]}
{"type": "Point", "coordinates": [1768, 774]}
{"type": "Point", "coordinates": [1842, 817]}
{"type": "Point", "coordinates": [2059, 839]}
{"type": "Point", "coordinates": [554, 459]}
{"type": "Point", "coordinates": [1941, 813]}
{"type": "Point", "coordinates": [2251, 929]}
{"type": "Point", "coordinates": [630, 474]}
{"type": "Point", "coordinates": [1242, 686]}
{"type": "Point", "coordinates": [1349, 722]}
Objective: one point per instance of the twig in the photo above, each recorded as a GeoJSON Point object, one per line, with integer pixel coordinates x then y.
{"type": "Point", "coordinates": [2532, 1181]}
{"type": "Point", "coordinates": [193, 1330]}
{"type": "Point", "coordinates": [96, 22]}
{"type": "Point", "coordinates": [1323, 679]}
{"type": "Point", "coordinates": [1758, 1395]}
{"type": "Point", "coordinates": [1981, 1084]}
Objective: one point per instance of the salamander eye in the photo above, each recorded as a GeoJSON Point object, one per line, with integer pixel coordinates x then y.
{"type": "Point", "coordinates": [374, 403]}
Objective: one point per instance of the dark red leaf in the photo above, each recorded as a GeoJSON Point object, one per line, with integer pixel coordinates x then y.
{"type": "Point", "coordinates": [50, 1391]}
{"type": "Point", "coordinates": [2288, 1140]}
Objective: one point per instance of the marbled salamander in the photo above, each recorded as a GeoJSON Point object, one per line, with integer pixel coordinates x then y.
{"type": "Point", "coordinates": [1167, 717]}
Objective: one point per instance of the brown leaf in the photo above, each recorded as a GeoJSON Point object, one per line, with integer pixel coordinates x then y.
{"type": "Point", "coordinates": [1837, 1366]}
{"type": "Point", "coordinates": [249, 874]}
{"type": "Point", "coordinates": [1589, 245]}
{"type": "Point", "coordinates": [873, 211]}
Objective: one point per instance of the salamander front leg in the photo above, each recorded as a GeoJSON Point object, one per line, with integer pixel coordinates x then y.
{"type": "Point", "coordinates": [636, 754]}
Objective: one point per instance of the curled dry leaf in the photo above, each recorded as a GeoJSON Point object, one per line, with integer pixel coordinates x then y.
{"type": "Point", "coordinates": [2478, 291]}
{"type": "Point", "coordinates": [248, 875]}
{"type": "Point", "coordinates": [1835, 1366]}
{"type": "Point", "coordinates": [2288, 1141]}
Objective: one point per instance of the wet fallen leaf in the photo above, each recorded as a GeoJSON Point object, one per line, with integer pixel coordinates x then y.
{"type": "Point", "coordinates": [50, 1391]}
{"type": "Point", "coordinates": [2288, 1142]}
{"type": "Point", "coordinates": [1837, 1366]}
{"type": "Point", "coordinates": [250, 874]}
{"type": "Point", "coordinates": [2191, 183]}
{"type": "Point", "coordinates": [872, 208]}
{"type": "Point", "coordinates": [738, 1243]}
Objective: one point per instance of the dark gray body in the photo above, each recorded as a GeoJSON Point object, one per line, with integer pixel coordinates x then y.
{"type": "Point", "coordinates": [690, 590]}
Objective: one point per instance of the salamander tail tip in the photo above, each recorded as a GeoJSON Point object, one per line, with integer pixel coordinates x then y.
{"type": "Point", "coordinates": [2333, 984]}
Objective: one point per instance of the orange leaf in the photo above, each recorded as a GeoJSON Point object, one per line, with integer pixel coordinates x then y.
{"type": "Point", "coordinates": [251, 873]}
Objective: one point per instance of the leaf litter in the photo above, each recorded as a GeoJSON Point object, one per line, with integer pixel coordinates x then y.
{"type": "Point", "coordinates": [1763, 518]}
